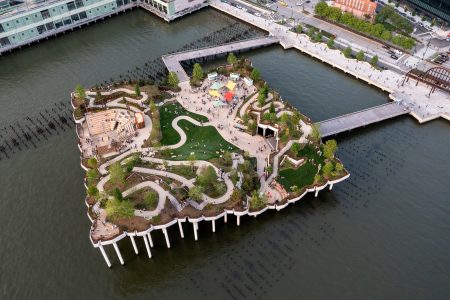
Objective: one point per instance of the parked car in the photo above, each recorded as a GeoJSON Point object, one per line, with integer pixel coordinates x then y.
{"type": "Point", "coordinates": [258, 14]}
{"type": "Point", "coordinates": [299, 3]}
{"type": "Point", "coordinates": [386, 47]}
{"type": "Point", "coordinates": [393, 56]}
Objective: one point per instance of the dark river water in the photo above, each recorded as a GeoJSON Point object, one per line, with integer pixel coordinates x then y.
{"type": "Point", "coordinates": [382, 234]}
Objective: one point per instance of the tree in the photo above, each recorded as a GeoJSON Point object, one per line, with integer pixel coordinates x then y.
{"type": "Point", "coordinates": [296, 148]}
{"type": "Point", "coordinates": [257, 201]}
{"type": "Point", "coordinates": [119, 209]}
{"type": "Point", "coordinates": [80, 93]}
{"type": "Point", "coordinates": [329, 148]}
{"type": "Point", "coordinates": [151, 200]}
{"type": "Point", "coordinates": [328, 168]}
{"type": "Point", "coordinates": [318, 37]}
{"type": "Point", "coordinates": [299, 28]}
{"type": "Point", "coordinates": [228, 160]}
{"type": "Point", "coordinates": [192, 158]}
{"type": "Point", "coordinates": [272, 108]}
{"type": "Point", "coordinates": [261, 100]}
{"type": "Point", "coordinates": [231, 59]}
{"type": "Point", "coordinates": [206, 177]}
{"type": "Point", "coordinates": [321, 8]}
{"type": "Point", "coordinates": [91, 176]}
{"type": "Point", "coordinates": [197, 73]}
{"type": "Point", "coordinates": [153, 107]}
{"type": "Point", "coordinates": [137, 90]}
{"type": "Point", "coordinates": [339, 167]}
{"type": "Point", "coordinates": [360, 55]}
{"type": "Point", "coordinates": [117, 194]}
{"type": "Point", "coordinates": [117, 173]}
{"type": "Point", "coordinates": [172, 79]}
{"type": "Point", "coordinates": [92, 191]}
{"type": "Point", "coordinates": [348, 52]}
{"type": "Point", "coordinates": [255, 75]}
{"type": "Point", "coordinates": [311, 32]}
{"type": "Point", "coordinates": [330, 43]}
{"type": "Point", "coordinates": [195, 193]}
{"type": "Point", "coordinates": [374, 61]}
{"type": "Point", "coordinates": [92, 163]}
{"type": "Point", "coordinates": [315, 132]}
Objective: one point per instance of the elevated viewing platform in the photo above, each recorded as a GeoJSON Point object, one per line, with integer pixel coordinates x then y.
{"type": "Point", "coordinates": [172, 61]}
{"type": "Point", "coordinates": [362, 118]}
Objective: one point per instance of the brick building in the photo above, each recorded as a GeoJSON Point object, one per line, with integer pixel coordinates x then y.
{"type": "Point", "coordinates": [359, 8]}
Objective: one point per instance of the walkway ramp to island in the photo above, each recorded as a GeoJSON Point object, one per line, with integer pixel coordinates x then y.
{"type": "Point", "coordinates": [172, 61]}
{"type": "Point", "coordinates": [361, 118]}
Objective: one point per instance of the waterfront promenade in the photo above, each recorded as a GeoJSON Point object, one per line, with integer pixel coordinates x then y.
{"type": "Point", "coordinates": [172, 61]}
{"type": "Point", "coordinates": [414, 97]}
{"type": "Point", "coordinates": [361, 118]}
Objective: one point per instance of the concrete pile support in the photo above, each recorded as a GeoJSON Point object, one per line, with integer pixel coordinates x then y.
{"type": "Point", "coordinates": [166, 234]}
{"type": "Point", "coordinates": [150, 239]}
{"type": "Point", "coordinates": [213, 225]}
{"type": "Point", "coordinates": [118, 253]}
{"type": "Point", "coordinates": [134, 244]}
{"type": "Point", "coordinates": [180, 226]}
{"type": "Point", "coordinates": [147, 246]}
{"type": "Point", "coordinates": [104, 255]}
{"type": "Point", "coordinates": [195, 230]}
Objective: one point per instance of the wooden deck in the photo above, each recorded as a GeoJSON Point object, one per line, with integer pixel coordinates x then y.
{"type": "Point", "coordinates": [361, 118]}
{"type": "Point", "coordinates": [172, 61]}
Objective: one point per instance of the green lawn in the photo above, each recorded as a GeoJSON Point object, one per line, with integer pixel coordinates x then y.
{"type": "Point", "coordinates": [301, 177]}
{"type": "Point", "coordinates": [167, 114]}
{"type": "Point", "coordinates": [203, 141]}
{"type": "Point", "coordinates": [308, 151]}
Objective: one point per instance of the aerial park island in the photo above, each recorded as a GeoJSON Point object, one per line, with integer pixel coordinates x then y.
{"type": "Point", "coordinates": [220, 144]}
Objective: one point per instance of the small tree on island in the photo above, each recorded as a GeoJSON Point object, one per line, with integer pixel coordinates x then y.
{"type": "Point", "coordinates": [117, 173]}
{"type": "Point", "coordinates": [80, 93]}
{"type": "Point", "coordinates": [137, 90]}
{"type": "Point", "coordinates": [329, 148]}
{"type": "Point", "coordinates": [197, 73]}
{"type": "Point", "coordinates": [374, 61]}
{"type": "Point", "coordinates": [231, 59]}
{"type": "Point", "coordinates": [328, 169]}
{"type": "Point", "coordinates": [195, 193]}
{"type": "Point", "coordinates": [299, 28]}
{"type": "Point", "coordinates": [172, 79]}
{"type": "Point", "coordinates": [360, 55]}
{"type": "Point", "coordinates": [255, 75]}
{"type": "Point", "coordinates": [315, 132]}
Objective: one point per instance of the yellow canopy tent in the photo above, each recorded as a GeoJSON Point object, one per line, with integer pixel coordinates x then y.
{"type": "Point", "coordinates": [214, 93]}
{"type": "Point", "coordinates": [231, 85]}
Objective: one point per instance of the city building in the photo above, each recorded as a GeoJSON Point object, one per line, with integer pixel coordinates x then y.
{"type": "Point", "coordinates": [22, 23]}
{"type": "Point", "coordinates": [360, 8]}
{"type": "Point", "coordinates": [433, 8]}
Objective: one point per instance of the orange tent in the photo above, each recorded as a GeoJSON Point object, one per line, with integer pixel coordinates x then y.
{"type": "Point", "coordinates": [229, 96]}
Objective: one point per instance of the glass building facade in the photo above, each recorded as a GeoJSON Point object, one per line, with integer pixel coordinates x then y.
{"type": "Point", "coordinates": [437, 8]}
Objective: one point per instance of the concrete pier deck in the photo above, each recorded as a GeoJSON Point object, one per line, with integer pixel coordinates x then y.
{"type": "Point", "coordinates": [362, 118]}
{"type": "Point", "coordinates": [172, 61]}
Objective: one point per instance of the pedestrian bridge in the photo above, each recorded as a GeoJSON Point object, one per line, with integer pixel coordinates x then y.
{"type": "Point", "coordinates": [172, 61]}
{"type": "Point", "coordinates": [361, 118]}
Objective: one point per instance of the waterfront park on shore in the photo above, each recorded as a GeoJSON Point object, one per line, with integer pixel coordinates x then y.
{"type": "Point", "coordinates": [223, 143]}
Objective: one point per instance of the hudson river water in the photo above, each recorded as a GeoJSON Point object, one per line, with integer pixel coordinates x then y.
{"type": "Point", "coordinates": [382, 234]}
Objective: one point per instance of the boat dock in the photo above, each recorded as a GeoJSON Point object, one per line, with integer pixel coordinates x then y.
{"type": "Point", "coordinates": [172, 61]}
{"type": "Point", "coordinates": [361, 118]}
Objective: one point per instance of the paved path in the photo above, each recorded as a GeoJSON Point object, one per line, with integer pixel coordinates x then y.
{"type": "Point", "coordinates": [172, 61]}
{"type": "Point", "coordinates": [361, 118]}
